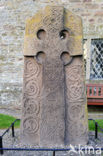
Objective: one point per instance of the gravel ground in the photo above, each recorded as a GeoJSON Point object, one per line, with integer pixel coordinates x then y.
{"type": "Point", "coordinates": [9, 142]}
{"type": "Point", "coordinates": [12, 112]}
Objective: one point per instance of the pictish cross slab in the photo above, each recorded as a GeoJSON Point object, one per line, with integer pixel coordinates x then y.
{"type": "Point", "coordinates": [53, 55]}
{"type": "Point", "coordinates": [53, 86]}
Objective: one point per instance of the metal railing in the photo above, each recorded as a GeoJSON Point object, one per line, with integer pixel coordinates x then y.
{"type": "Point", "coordinates": [7, 130]}
{"type": "Point", "coordinates": [97, 127]}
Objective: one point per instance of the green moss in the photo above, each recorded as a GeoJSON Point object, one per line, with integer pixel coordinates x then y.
{"type": "Point", "coordinates": [4, 34]}
{"type": "Point", "coordinates": [3, 58]}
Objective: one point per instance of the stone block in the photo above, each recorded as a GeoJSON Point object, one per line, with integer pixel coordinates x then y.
{"type": "Point", "coordinates": [99, 13]}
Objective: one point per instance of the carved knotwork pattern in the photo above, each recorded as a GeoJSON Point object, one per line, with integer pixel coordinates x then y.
{"type": "Point", "coordinates": [76, 99]}
{"type": "Point", "coordinates": [77, 129]}
{"type": "Point", "coordinates": [75, 111]}
{"type": "Point", "coordinates": [53, 21]}
{"type": "Point", "coordinates": [53, 76]}
{"type": "Point", "coordinates": [31, 102]}
{"type": "Point", "coordinates": [75, 83]}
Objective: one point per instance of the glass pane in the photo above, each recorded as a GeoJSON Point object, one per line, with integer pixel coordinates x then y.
{"type": "Point", "coordinates": [96, 71]}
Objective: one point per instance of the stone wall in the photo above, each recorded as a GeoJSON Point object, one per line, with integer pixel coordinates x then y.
{"type": "Point", "coordinates": [13, 14]}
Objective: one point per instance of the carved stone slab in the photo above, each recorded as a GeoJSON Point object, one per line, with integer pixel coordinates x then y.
{"type": "Point", "coordinates": [76, 111]}
{"type": "Point", "coordinates": [54, 98]}
{"type": "Point", "coordinates": [31, 101]}
{"type": "Point", "coordinates": [53, 20]}
{"type": "Point", "coordinates": [53, 104]}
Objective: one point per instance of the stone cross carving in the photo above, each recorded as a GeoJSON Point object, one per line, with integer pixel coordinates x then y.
{"type": "Point", "coordinates": [54, 98]}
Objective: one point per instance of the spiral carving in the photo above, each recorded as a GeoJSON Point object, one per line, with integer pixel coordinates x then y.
{"type": "Point", "coordinates": [31, 106]}
{"type": "Point", "coordinates": [32, 89]}
{"type": "Point", "coordinates": [30, 125]}
{"type": "Point", "coordinates": [31, 68]}
{"type": "Point", "coordinates": [76, 90]}
{"type": "Point", "coordinates": [74, 73]}
{"type": "Point", "coordinates": [75, 84]}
